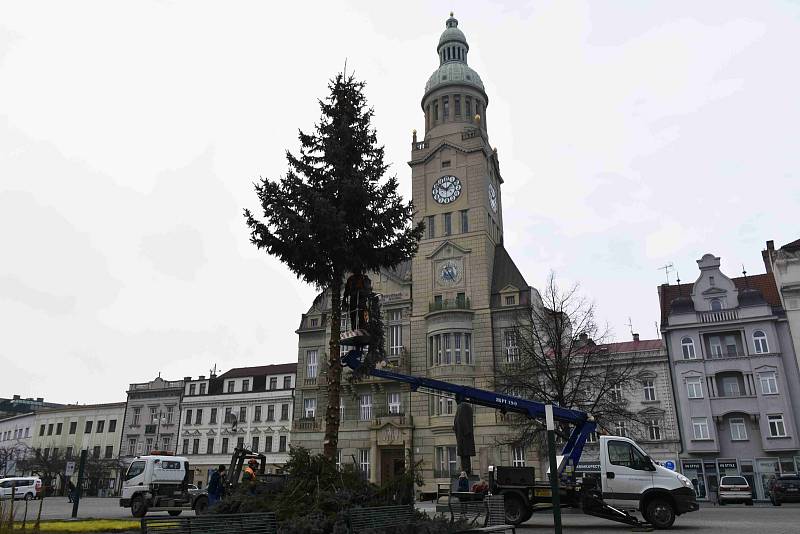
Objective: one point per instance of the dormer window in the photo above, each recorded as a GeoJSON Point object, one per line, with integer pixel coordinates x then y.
{"type": "Point", "coordinates": [716, 304]}
{"type": "Point", "coordinates": [510, 300]}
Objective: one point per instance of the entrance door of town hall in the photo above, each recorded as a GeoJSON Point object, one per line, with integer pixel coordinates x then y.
{"type": "Point", "coordinates": [393, 464]}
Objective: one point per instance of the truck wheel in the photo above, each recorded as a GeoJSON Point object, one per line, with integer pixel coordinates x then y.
{"type": "Point", "coordinates": [515, 509]}
{"type": "Point", "coordinates": [201, 505]}
{"type": "Point", "coordinates": [660, 513]}
{"type": "Point", "coordinates": [173, 513]}
{"type": "Point", "coordinates": [138, 506]}
{"type": "Point", "coordinates": [29, 496]}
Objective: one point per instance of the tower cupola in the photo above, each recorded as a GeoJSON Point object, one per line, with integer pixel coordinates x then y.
{"type": "Point", "coordinates": [454, 84]}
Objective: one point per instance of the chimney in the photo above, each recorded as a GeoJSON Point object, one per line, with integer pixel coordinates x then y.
{"type": "Point", "coordinates": [636, 338]}
{"type": "Point", "coordinates": [201, 377]}
{"type": "Point", "coordinates": [584, 336]}
{"type": "Point", "coordinates": [39, 399]}
{"type": "Point", "coordinates": [187, 378]}
{"type": "Point", "coordinates": [767, 254]}
{"type": "Point", "coordinates": [16, 397]}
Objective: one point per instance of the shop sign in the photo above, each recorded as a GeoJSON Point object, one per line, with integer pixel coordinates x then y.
{"type": "Point", "coordinates": [691, 465]}
{"type": "Point", "coordinates": [728, 464]}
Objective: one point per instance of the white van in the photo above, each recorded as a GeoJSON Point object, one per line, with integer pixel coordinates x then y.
{"type": "Point", "coordinates": [21, 487]}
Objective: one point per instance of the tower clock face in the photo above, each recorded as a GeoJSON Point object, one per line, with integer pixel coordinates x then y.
{"type": "Point", "coordinates": [446, 189]}
{"type": "Point", "coordinates": [450, 273]}
{"type": "Point", "coordinates": [493, 198]}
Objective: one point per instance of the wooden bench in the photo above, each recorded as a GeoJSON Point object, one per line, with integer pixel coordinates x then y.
{"type": "Point", "coordinates": [258, 523]}
{"type": "Point", "coordinates": [495, 510]}
{"type": "Point", "coordinates": [377, 517]}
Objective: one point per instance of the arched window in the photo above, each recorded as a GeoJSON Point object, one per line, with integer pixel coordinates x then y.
{"type": "Point", "coordinates": [760, 342]}
{"type": "Point", "coordinates": [687, 346]}
{"type": "Point", "coordinates": [716, 305]}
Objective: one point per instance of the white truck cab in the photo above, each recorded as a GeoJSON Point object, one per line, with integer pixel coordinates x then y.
{"type": "Point", "coordinates": [631, 481]}
{"type": "Point", "coordinates": [160, 482]}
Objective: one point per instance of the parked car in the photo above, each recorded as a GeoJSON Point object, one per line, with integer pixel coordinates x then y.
{"type": "Point", "coordinates": [734, 489]}
{"type": "Point", "coordinates": [785, 488]}
{"type": "Point", "coordinates": [21, 487]}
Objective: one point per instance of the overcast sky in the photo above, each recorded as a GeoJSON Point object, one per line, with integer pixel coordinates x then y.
{"type": "Point", "coordinates": [630, 135]}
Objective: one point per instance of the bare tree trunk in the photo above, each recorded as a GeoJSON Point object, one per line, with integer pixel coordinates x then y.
{"type": "Point", "coordinates": [331, 441]}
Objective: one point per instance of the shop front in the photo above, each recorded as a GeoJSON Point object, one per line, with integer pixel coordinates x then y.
{"type": "Point", "coordinates": [706, 473]}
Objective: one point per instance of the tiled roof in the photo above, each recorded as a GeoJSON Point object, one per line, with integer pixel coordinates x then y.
{"type": "Point", "coordinates": [261, 370]}
{"type": "Point", "coordinates": [505, 271]}
{"type": "Point", "coordinates": [763, 282]}
{"type": "Point", "coordinates": [633, 346]}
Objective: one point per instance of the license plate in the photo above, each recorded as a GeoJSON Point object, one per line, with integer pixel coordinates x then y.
{"type": "Point", "coordinates": [541, 492]}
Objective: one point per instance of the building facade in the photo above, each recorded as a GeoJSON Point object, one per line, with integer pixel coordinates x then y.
{"type": "Point", "coordinates": [152, 415]}
{"type": "Point", "coordinates": [735, 377]}
{"type": "Point", "coordinates": [247, 407]}
{"type": "Point", "coordinates": [784, 264]}
{"type": "Point", "coordinates": [16, 433]}
{"type": "Point", "coordinates": [649, 397]}
{"type": "Point", "coordinates": [66, 431]}
{"type": "Point", "coordinates": [448, 310]}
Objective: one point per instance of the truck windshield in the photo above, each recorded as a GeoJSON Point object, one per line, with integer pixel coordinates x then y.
{"type": "Point", "coordinates": [136, 469]}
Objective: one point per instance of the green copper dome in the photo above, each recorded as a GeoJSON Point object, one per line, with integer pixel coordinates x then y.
{"type": "Point", "coordinates": [452, 33]}
{"type": "Point", "coordinates": [453, 69]}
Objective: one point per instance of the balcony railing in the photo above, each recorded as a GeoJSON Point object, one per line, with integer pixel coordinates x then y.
{"type": "Point", "coordinates": [450, 304]}
{"type": "Point", "coordinates": [718, 316]}
{"type": "Point", "coordinates": [308, 424]}
{"type": "Point", "coordinates": [727, 354]}
{"type": "Point", "coordinates": [469, 134]}
{"type": "Point", "coordinates": [422, 145]}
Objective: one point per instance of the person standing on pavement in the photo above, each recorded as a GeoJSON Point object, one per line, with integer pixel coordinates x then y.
{"type": "Point", "coordinates": [216, 486]}
{"type": "Point", "coordinates": [70, 491]}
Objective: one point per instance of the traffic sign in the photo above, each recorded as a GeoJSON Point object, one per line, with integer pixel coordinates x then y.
{"type": "Point", "coordinates": [70, 469]}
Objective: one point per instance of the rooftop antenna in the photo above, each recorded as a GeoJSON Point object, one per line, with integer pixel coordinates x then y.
{"type": "Point", "coordinates": [213, 372]}
{"type": "Point", "coordinates": [678, 279]}
{"type": "Point", "coordinates": [667, 269]}
{"type": "Point", "coordinates": [630, 325]}
{"type": "Point", "coordinates": [746, 281]}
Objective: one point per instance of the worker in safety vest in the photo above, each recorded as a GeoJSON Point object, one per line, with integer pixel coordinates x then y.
{"type": "Point", "coordinates": [249, 476]}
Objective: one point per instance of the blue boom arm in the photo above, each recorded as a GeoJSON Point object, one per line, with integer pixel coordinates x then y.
{"type": "Point", "coordinates": [582, 422]}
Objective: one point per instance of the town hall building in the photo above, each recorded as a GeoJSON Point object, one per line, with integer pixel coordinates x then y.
{"type": "Point", "coordinates": [449, 311]}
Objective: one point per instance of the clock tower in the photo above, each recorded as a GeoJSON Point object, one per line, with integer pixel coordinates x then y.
{"type": "Point", "coordinates": [450, 311]}
{"type": "Point", "coordinates": [466, 288]}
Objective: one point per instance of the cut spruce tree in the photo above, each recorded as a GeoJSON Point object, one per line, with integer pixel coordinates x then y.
{"type": "Point", "coordinates": [335, 213]}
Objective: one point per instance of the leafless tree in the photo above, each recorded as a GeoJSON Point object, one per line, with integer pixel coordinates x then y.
{"type": "Point", "coordinates": [555, 355]}
{"type": "Point", "coordinates": [47, 466]}
{"type": "Point", "coordinates": [7, 455]}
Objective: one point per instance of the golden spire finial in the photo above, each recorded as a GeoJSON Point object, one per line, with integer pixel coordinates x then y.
{"type": "Point", "coordinates": [451, 13]}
